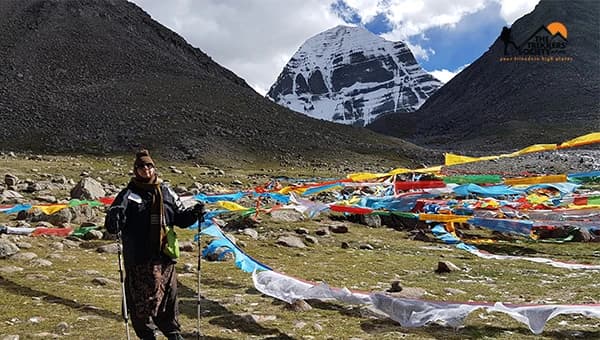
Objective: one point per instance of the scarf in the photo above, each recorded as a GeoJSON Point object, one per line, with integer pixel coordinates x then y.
{"type": "Point", "coordinates": [157, 230]}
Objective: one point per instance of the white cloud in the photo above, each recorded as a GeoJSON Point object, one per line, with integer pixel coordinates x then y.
{"type": "Point", "coordinates": [256, 38]}
{"type": "Point", "coordinates": [419, 52]}
{"type": "Point", "coordinates": [513, 10]}
{"type": "Point", "coordinates": [444, 75]}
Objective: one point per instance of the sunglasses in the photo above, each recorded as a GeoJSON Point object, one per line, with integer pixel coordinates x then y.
{"type": "Point", "coordinates": [147, 165]}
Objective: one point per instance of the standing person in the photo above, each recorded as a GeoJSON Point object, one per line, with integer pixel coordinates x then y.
{"type": "Point", "coordinates": [141, 213]}
{"type": "Point", "coordinates": [506, 38]}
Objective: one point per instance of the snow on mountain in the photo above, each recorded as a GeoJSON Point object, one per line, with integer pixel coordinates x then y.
{"type": "Point", "coordinates": [349, 75]}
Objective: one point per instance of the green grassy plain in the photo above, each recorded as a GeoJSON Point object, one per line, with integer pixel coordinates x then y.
{"type": "Point", "coordinates": [37, 299]}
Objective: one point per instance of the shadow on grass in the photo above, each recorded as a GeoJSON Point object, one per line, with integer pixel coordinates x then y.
{"type": "Point", "coordinates": [382, 326]}
{"type": "Point", "coordinates": [507, 249]}
{"type": "Point", "coordinates": [19, 289]}
{"type": "Point", "coordinates": [208, 281]}
{"type": "Point", "coordinates": [224, 318]}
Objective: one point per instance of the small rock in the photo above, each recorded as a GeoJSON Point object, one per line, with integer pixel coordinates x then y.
{"type": "Point", "coordinates": [46, 198]}
{"type": "Point", "coordinates": [10, 269]}
{"type": "Point", "coordinates": [236, 182]}
{"type": "Point", "coordinates": [70, 243]}
{"type": "Point", "coordinates": [112, 248]}
{"type": "Point", "coordinates": [396, 287]}
{"type": "Point", "coordinates": [24, 256]}
{"type": "Point", "coordinates": [454, 291]}
{"type": "Point", "coordinates": [345, 245]}
{"type": "Point", "coordinates": [93, 235]}
{"type": "Point", "coordinates": [37, 277]}
{"type": "Point", "coordinates": [365, 246]}
{"type": "Point", "coordinates": [291, 241]}
{"type": "Point", "coordinates": [286, 215]}
{"type": "Point", "coordinates": [58, 246]}
{"type": "Point", "coordinates": [102, 281]}
{"type": "Point", "coordinates": [24, 245]}
{"type": "Point", "coordinates": [373, 221]}
{"type": "Point", "coordinates": [311, 239]}
{"type": "Point", "coordinates": [299, 306]}
{"type": "Point", "coordinates": [301, 231]}
{"type": "Point", "coordinates": [36, 319]}
{"type": "Point", "coordinates": [220, 254]}
{"type": "Point", "coordinates": [23, 224]}
{"type": "Point", "coordinates": [446, 267]}
{"type": "Point", "coordinates": [187, 246]}
{"type": "Point", "coordinates": [251, 232]}
{"type": "Point", "coordinates": [11, 337]}
{"type": "Point", "coordinates": [299, 324]}
{"type": "Point", "coordinates": [10, 180]}
{"type": "Point", "coordinates": [338, 229]}
{"type": "Point", "coordinates": [323, 231]}
{"type": "Point", "coordinates": [189, 268]}
{"type": "Point", "coordinates": [40, 263]}
{"type": "Point", "coordinates": [44, 224]}
{"type": "Point", "coordinates": [7, 248]}
{"type": "Point", "coordinates": [62, 328]}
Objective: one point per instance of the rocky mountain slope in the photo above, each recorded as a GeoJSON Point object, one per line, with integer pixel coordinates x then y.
{"type": "Point", "coordinates": [102, 76]}
{"type": "Point", "coordinates": [349, 75]}
{"type": "Point", "coordinates": [506, 102]}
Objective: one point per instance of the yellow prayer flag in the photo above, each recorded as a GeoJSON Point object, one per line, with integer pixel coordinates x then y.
{"type": "Point", "coordinates": [288, 189]}
{"type": "Point", "coordinates": [590, 138]}
{"type": "Point", "coordinates": [533, 148]}
{"type": "Point", "coordinates": [453, 159]}
{"type": "Point", "coordinates": [365, 176]}
{"type": "Point", "coordinates": [444, 218]}
{"type": "Point", "coordinates": [536, 180]}
{"type": "Point", "coordinates": [231, 206]}
{"type": "Point", "coordinates": [50, 209]}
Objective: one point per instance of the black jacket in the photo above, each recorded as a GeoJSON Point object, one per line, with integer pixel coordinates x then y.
{"type": "Point", "coordinates": [135, 231]}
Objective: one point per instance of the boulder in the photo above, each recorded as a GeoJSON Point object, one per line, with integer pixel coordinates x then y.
{"type": "Point", "coordinates": [88, 189]}
{"type": "Point", "coordinates": [7, 248]}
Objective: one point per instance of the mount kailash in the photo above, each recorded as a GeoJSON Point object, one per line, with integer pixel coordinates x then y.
{"type": "Point", "coordinates": [349, 75]}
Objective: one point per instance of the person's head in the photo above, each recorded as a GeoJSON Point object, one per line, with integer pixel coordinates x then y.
{"type": "Point", "coordinates": [143, 166]}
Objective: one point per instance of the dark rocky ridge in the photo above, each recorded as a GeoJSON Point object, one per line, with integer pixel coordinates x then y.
{"type": "Point", "coordinates": [493, 105]}
{"type": "Point", "coordinates": [102, 76]}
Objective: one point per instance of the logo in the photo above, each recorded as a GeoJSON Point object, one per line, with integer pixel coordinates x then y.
{"type": "Point", "coordinates": [549, 43]}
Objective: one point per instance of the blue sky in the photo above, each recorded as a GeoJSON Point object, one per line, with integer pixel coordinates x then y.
{"type": "Point", "coordinates": [256, 38]}
{"type": "Point", "coordinates": [452, 46]}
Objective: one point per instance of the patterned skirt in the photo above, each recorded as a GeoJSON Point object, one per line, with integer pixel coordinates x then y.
{"type": "Point", "coordinates": [149, 287]}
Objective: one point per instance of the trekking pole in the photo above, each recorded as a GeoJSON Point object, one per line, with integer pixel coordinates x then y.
{"type": "Point", "coordinates": [124, 299]}
{"type": "Point", "coordinates": [200, 220]}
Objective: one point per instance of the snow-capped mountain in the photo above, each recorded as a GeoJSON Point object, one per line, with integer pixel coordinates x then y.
{"type": "Point", "coordinates": [349, 75]}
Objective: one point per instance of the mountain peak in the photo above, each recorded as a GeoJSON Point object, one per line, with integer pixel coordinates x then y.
{"type": "Point", "coordinates": [349, 75]}
{"type": "Point", "coordinates": [102, 76]}
{"type": "Point", "coordinates": [541, 88]}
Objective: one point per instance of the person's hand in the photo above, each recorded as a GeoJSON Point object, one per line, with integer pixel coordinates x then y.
{"type": "Point", "coordinates": [198, 210]}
